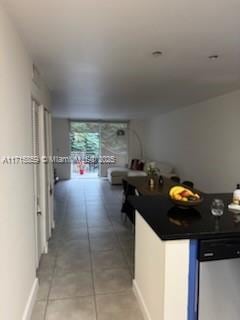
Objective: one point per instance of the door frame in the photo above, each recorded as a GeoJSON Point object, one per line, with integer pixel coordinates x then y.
{"type": "Point", "coordinates": [43, 189]}
{"type": "Point", "coordinates": [49, 171]}
{"type": "Point", "coordinates": [43, 178]}
{"type": "Point", "coordinates": [36, 182]}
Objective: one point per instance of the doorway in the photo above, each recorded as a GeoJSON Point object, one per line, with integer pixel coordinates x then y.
{"type": "Point", "coordinates": [37, 185]}
{"type": "Point", "coordinates": [94, 144]}
{"type": "Point", "coordinates": [43, 178]}
{"type": "Point", "coordinates": [85, 149]}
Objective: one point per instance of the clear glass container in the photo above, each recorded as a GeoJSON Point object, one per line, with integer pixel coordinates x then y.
{"type": "Point", "coordinates": [217, 207]}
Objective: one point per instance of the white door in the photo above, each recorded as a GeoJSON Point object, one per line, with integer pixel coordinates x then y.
{"type": "Point", "coordinates": [37, 207]}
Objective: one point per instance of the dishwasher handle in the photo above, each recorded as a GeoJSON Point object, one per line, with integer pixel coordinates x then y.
{"type": "Point", "coordinates": [219, 249]}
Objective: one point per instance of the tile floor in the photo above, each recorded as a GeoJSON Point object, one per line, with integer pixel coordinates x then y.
{"type": "Point", "coordinates": [87, 274]}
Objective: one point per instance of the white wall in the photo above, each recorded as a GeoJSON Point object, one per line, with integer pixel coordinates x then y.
{"type": "Point", "coordinates": [202, 142]}
{"type": "Point", "coordinates": [121, 159]}
{"type": "Point", "coordinates": [109, 141]}
{"type": "Point", "coordinates": [17, 239]}
{"type": "Point", "coordinates": [61, 146]}
{"type": "Point", "coordinates": [136, 139]}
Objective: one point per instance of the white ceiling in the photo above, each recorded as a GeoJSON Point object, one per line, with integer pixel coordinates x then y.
{"type": "Point", "coordinates": [96, 54]}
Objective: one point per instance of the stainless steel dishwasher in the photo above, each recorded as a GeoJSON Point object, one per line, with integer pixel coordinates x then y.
{"type": "Point", "coordinates": [219, 279]}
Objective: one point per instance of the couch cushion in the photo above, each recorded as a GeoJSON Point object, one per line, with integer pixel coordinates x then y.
{"type": "Point", "coordinates": [137, 164]}
{"type": "Point", "coordinates": [133, 164]}
{"type": "Point", "coordinates": [117, 171]}
{"type": "Point", "coordinates": [140, 165]}
{"type": "Point", "coordinates": [136, 173]}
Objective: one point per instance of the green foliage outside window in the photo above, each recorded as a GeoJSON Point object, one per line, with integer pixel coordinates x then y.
{"type": "Point", "coordinates": [84, 137]}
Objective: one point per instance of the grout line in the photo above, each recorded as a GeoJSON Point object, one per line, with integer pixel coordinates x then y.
{"type": "Point", "coordinates": [55, 263]}
{"type": "Point", "coordinates": [91, 258]}
{"type": "Point", "coordinates": [89, 295]}
{"type": "Point", "coordinates": [71, 297]}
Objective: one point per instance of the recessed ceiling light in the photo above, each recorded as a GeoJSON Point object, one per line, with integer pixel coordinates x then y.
{"type": "Point", "coordinates": [157, 53]}
{"type": "Point", "coordinates": [213, 57]}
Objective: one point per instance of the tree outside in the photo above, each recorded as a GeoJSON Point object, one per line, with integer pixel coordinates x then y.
{"type": "Point", "coordinates": [84, 138]}
{"type": "Point", "coordinates": [87, 139]}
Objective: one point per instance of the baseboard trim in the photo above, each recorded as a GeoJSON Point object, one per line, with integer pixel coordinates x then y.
{"type": "Point", "coordinates": [31, 301]}
{"type": "Point", "coordinates": [141, 302]}
{"type": "Point", "coordinates": [46, 248]}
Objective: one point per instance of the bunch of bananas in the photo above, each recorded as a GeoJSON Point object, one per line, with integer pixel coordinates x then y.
{"type": "Point", "coordinates": [181, 193]}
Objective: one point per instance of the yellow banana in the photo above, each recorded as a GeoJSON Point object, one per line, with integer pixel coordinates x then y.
{"type": "Point", "coordinates": [177, 189]}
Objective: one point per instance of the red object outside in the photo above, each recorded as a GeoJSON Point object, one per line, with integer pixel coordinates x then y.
{"type": "Point", "coordinates": [81, 171]}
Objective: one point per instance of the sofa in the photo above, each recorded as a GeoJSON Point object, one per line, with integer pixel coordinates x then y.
{"type": "Point", "coordinates": [115, 175]}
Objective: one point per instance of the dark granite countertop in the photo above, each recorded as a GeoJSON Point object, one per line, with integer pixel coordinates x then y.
{"type": "Point", "coordinates": [172, 223]}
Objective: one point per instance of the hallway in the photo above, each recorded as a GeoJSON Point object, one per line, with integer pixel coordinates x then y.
{"type": "Point", "coordinates": [87, 274]}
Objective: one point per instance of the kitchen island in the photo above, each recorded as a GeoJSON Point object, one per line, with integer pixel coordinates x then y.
{"type": "Point", "coordinates": [170, 281]}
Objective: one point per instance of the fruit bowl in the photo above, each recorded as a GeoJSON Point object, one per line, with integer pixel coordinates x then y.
{"type": "Point", "coordinates": [185, 197]}
{"type": "Point", "coordinates": [186, 204]}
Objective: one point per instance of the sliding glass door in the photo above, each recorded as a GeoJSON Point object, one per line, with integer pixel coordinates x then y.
{"type": "Point", "coordinates": [85, 149]}
{"type": "Point", "coordinates": [96, 146]}
{"type": "Point", "coordinates": [114, 143]}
